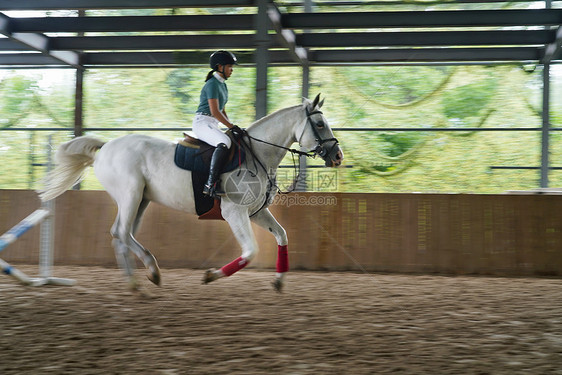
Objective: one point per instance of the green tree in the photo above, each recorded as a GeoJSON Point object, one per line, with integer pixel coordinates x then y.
{"type": "Point", "coordinates": [17, 99]}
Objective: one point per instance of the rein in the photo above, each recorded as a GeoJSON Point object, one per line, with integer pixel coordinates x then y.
{"type": "Point", "coordinates": [248, 146]}
{"type": "Point", "coordinates": [270, 181]}
{"type": "Point", "coordinates": [319, 150]}
{"type": "Point", "coordinates": [309, 154]}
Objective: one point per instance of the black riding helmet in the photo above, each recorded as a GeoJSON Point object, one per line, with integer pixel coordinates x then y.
{"type": "Point", "coordinates": [222, 58]}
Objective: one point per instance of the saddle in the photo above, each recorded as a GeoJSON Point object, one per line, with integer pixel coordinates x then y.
{"type": "Point", "coordinates": [194, 155]}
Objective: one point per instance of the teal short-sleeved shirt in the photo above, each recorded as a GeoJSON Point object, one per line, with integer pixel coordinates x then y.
{"type": "Point", "coordinates": [213, 89]}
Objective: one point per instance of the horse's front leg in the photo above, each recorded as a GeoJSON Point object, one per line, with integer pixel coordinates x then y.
{"type": "Point", "coordinates": [239, 221]}
{"type": "Point", "coordinates": [265, 219]}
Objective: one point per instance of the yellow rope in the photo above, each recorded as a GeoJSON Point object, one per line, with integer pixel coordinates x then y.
{"type": "Point", "coordinates": [413, 103]}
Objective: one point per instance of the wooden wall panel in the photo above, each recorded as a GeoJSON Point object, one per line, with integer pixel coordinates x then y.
{"type": "Point", "coordinates": [14, 207]}
{"type": "Point", "coordinates": [435, 233]}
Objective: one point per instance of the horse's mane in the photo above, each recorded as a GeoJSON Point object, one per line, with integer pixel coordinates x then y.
{"type": "Point", "coordinates": [262, 120]}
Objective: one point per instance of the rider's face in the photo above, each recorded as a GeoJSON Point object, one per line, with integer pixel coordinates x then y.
{"type": "Point", "coordinates": [226, 70]}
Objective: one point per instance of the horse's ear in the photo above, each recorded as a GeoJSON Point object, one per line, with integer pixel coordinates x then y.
{"type": "Point", "coordinates": [315, 102]}
{"type": "Point", "coordinates": [321, 103]}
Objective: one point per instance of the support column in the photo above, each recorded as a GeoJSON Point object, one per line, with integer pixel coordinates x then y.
{"type": "Point", "coordinates": [79, 91]}
{"type": "Point", "coordinates": [78, 110]}
{"type": "Point", "coordinates": [305, 81]}
{"type": "Point", "coordinates": [550, 51]}
{"type": "Point", "coordinates": [303, 167]}
{"type": "Point", "coordinates": [261, 21]}
{"type": "Point", "coordinates": [306, 66]}
{"type": "Point", "coordinates": [78, 98]}
{"type": "Point", "coordinates": [545, 132]}
{"type": "Point", "coordinates": [78, 103]}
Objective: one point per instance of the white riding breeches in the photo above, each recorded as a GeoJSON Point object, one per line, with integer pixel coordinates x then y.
{"type": "Point", "coordinates": [206, 128]}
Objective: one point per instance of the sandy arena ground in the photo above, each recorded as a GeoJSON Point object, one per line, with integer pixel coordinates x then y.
{"type": "Point", "coordinates": [324, 323]}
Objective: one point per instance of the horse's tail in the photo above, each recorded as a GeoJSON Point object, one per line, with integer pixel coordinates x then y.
{"type": "Point", "coordinates": [71, 160]}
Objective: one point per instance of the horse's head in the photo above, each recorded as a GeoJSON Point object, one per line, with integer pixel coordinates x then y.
{"type": "Point", "coordinates": [316, 136]}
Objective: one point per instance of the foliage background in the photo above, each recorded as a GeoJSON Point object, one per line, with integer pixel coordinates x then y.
{"type": "Point", "coordinates": [356, 97]}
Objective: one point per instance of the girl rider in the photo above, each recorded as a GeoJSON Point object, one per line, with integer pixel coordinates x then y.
{"type": "Point", "coordinates": [211, 112]}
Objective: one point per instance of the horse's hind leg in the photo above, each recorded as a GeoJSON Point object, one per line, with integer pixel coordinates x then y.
{"type": "Point", "coordinates": [146, 257]}
{"type": "Point", "coordinates": [123, 254]}
{"type": "Point", "coordinates": [126, 261]}
{"type": "Point", "coordinates": [142, 207]}
{"type": "Point", "coordinates": [128, 219]}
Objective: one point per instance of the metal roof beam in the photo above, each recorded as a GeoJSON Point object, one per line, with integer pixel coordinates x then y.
{"type": "Point", "coordinates": [309, 40]}
{"type": "Point", "coordinates": [317, 57]}
{"type": "Point", "coordinates": [427, 55]}
{"type": "Point", "coordinates": [152, 4]}
{"type": "Point", "coordinates": [7, 44]}
{"type": "Point", "coordinates": [229, 22]}
{"type": "Point", "coordinates": [398, 2]}
{"type": "Point", "coordinates": [426, 38]}
{"type": "Point", "coordinates": [29, 59]}
{"type": "Point", "coordinates": [158, 59]}
{"type": "Point", "coordinates": [286, 37]}
{"type": "Point", "coordinates": [454, 18]}
{"type": "Point", "coordinates": [118, 4]}
{"type": "Point", "coordinates": [325, 56]}
{"type": "Point", "coordinates": [552, 50]}
{"type": "Point", "coordinates": [154, 43]}
{"type": "Point", "coordinates": [38, 42]}
{"type": "Point", "coordinates": [350, 20]}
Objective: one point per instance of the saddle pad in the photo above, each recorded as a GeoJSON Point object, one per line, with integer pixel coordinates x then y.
{"type": "Point", "coordinates": [199, 159]}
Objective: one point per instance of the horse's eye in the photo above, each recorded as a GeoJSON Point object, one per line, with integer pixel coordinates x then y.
{"type": "Point", "coordinates": [320, 124]}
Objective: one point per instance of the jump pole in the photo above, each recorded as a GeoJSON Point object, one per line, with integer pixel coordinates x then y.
{"type": "Point", "coordinates": [12, 235]}
{"type": "Point", "coordinates": [40, 216]}
{"type": "Point", "coordinates": [45, 218]}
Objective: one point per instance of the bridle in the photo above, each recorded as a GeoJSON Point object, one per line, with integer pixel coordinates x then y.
{"type": "Point", "coordinates": [318, 150]}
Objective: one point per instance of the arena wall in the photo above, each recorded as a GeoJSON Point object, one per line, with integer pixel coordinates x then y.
{"type": "Point", "coordinates": [422, 233]}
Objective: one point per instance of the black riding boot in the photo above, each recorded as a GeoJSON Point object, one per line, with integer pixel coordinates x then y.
{"type": "Point", "coordinates": [212, 187]}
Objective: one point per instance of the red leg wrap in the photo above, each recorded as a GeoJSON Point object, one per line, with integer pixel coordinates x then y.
{"type": "Point", "coordinates": [234, 266]}
{"type": "Point", "coordinates": [282, 258]}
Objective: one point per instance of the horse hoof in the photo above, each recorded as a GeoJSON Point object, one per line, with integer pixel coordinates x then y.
{"type": "Point", "coordinates": [210, 276]}
{"type": "Point", "coordinates": [133, 284]}
{"type": "Point", "coordinates": [155, 279]}
{"type": "Point", "coordinates": [146, 294]}
{"type": "Point", "coordinates": [277, 285]}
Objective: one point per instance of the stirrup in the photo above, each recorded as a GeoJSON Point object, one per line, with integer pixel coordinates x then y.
{"type": "Point", "coordinates": [213, 191]}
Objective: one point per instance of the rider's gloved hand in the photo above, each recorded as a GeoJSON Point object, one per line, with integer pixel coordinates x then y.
{"type": "Point", "coordinates": [237, 132]}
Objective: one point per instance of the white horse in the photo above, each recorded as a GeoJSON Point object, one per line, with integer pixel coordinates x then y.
{"type": "Point", "coordinates": [136, 169]}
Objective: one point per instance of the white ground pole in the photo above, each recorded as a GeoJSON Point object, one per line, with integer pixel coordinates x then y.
{"type": "Point", "coordinates": [45, 218]}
